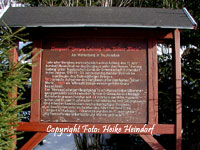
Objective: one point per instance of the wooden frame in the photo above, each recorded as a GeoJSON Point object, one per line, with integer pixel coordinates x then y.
{"type": "Point", "coordinates": [41, 128]}
{"type": "Point", "coordinates": [13, 58]}
{"type": "Point", "coordinates": [34, 141]}
{"type": "Point", "coordinates": [153, 143]}
{"type": "Point", "coordinates": [177, 87]}
{"type": "Point", "coordinates": [153, 78]}
{"type": "Point", "coordinates": [35, 86]}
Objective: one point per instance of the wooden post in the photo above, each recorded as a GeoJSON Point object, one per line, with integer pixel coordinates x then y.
{"type": "Point", "coordinates": [152, 93]}
{"type": "Point", "coordinates": [153, 143]}
{"type": "Point", "coordinates": [178, 88]}
{"type": "Point", "coordinates": [13, 58]}
{"type": "Point", "coordinates": [34, 141]}
{"type": "Point", "coordinates": [153, 81]}
{"type": "Point", "coordinates": [35, 85]}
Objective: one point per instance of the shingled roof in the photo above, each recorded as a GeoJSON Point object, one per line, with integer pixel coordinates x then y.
{"type": "Point", "coordinates": [98, 17]}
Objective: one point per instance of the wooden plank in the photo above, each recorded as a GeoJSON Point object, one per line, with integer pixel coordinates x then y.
{"type": "Point", "coordinates": [76, 105]}
{"type": "Point", "coordinates": [35, 85]}
{"type": "Point", "coordinates": [42, 127]}
{"type": "Point", "coordinates": [13, 58]}
{"type": "Point", "coordinates": [178, 88]}
{"type": "Point", "coordinates": [34, 141]}
{"type": "Point", "coordinates": [13, 55]}
{"type": "Point", "coordinates": [153, 81]}
{"type": "Point", "coordinates": [101, 32]}
{"type": "Point", "coordinates": [150, 83]}
{"type": "Point", "coordinates": [153, 143]}
{"type": "Point", "coordinates": [165, 36]}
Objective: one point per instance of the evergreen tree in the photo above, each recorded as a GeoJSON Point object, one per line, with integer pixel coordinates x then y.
{"type": "Point", "coordinates": [13, 75]}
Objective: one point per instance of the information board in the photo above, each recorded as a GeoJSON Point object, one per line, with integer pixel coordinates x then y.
{"type": "Point", "coordinates": [95, 81]}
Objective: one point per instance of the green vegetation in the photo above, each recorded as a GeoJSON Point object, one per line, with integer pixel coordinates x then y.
{"type": "Point", "coordinates": [13, 75]}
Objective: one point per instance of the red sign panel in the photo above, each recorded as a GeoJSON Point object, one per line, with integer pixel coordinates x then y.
{"type": "Point", "coordinates": [95, 81]}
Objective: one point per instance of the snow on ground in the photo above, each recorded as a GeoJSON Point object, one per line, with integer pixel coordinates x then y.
{"type": "Point", "coordinates": [63, 142]}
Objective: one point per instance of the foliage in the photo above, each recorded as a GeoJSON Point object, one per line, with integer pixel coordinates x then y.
{"type": "Point", "coordinates": [192, 37]}
{"type": "Point", "coordinates": [191, 97]}
{"type": "Point", "coordinates": [165, 87]}
{"type": "Point", "coordinates": [106, 3]}
{"type": "Point", "coordinates": [12, 75]}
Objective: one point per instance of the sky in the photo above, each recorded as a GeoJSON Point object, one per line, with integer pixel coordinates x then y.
{"type": "Point", "coordinates": [63, 142]}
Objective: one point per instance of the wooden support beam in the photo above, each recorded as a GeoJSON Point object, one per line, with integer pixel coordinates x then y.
{"type": "Point", "coordinates": [153, 82]}
{"type": "Point", "coordinates": [42, 127]}
{"type": "Point", "coordinates": [153, 143]}
{"type": "Point", "coordinates": [13, 55]}
{"type": "Point", "coordinates": [34, 141]}
{"type": "Point", "coordinates": [101, 32]}
{"type": "Point", "coordinates": [166, 36]}
{"type": "Point", "coordinates": [13, 59]}
{"type": "Point", "coordinates": [178, 87]}
{"type": "Point", "coordinates": [35, 86]}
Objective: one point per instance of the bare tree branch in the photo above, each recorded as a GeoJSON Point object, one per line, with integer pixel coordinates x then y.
{"type": "Point", "coordinates": [90, 3]}
{"type": "Point", "coordinates": [140, 3]}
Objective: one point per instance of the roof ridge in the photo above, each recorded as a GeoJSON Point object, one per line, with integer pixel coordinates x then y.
{"type": "Point", "coordinates": [4, 10]}
{"type": "Point", "coordinates": [98, 17]}
{"type": "Point", "coordinates": [194, 23]}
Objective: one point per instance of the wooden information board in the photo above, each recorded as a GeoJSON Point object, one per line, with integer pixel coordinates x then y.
{"type": "Point", "coordinates": [95, 81]}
